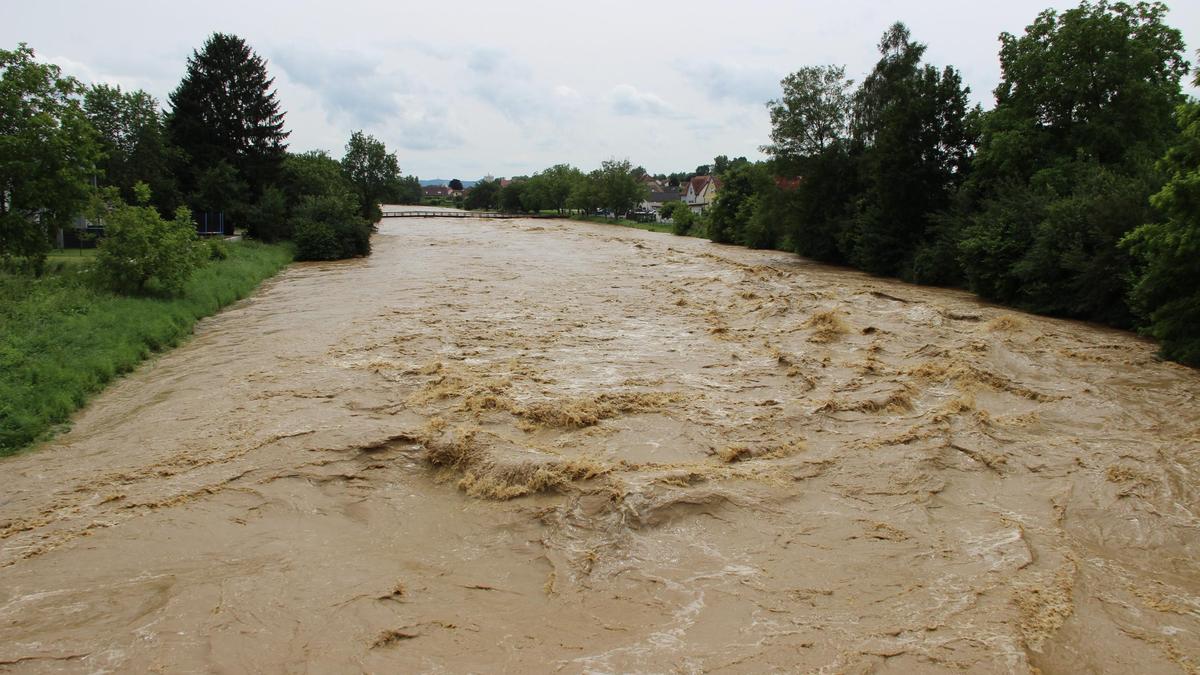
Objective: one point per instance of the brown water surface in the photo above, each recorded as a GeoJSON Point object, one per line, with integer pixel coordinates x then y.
{"type": "Point", "coordinates": [534, 446]}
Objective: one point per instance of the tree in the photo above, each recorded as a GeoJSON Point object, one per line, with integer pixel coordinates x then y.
{"type": "Point", "coordinates": [668, 210]}
{"type": "Point", "coordinates": [620, 190]}
{"type": "Point", "coordinates": [142, 253]}
{"type": "Point", "coordinates": [220, 188]}
{"type": "Point", "coordinates": [408, 190]}
{"type": "Point", "coordinates": [1065, 165]}
{"type": "Point", "coordinates": [313, 173]}
{"type": "Point", "coordinates": [132, 135]}
{"type": "Point", "coordinates": [587, 194]}
{"type": "Point", "coordinates": [513, 197]}
{"type": "Point", "coordinates": [912, 125]}
{"type": "Point", "coordinates": [225, 109]}
{"type": "Point", "coordinates": [553, 186]}
{"type": "Point", "coordinates": [374, 172]}
{"type": "Point", "coordinates": [683, 220]}
{"type": "Point", "coordinates": [329, 227]}
{"type": "Point", "coordinates": [1167, 291]}
{"type": "Point", "coordinates": [485, 195]}
{"type": "Point", "coordinates": [731, 212]}
{"type": "Point", "coordinates": [812, 115]}
{"type": "Point", "coordinates": [456, 184]}
{"type": "Point", "coordinates": [48, 155]}
{"type": "Point", "coordinates": [268, 219]}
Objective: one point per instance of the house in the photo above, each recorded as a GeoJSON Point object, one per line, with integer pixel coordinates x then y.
{"type": "Point", "coordinates": [701, 191]}
{"type": "Point", "coordinates": [657, 198]}
{"type": "Point", "coordinates": [435, 191]}
{"type": "Point", "coordinates": [652, 184]}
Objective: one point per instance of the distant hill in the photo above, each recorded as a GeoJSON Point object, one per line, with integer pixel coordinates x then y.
{"type": "Point", "coordinates": [446, 181]}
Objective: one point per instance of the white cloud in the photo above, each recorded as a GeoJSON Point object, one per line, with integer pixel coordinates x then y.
{"type": "Point", "coordinates": [626, 99]}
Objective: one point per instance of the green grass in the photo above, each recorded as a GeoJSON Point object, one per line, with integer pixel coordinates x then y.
{"type": "Point", "coordinates": [62, 339]}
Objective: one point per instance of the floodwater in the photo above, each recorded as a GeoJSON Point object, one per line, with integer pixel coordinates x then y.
{"type": "Point", "coordinates": [541, 446]}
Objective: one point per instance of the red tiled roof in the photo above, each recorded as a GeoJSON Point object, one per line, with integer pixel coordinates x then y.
{"type": "Point", "coordinates": [698, 183]}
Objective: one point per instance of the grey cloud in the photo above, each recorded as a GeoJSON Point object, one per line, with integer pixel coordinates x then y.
{"type": "Point", "coordinates": [351, 86]}
{"type": "Point", "coordinates": [347, 84]}
{"type": "Point", "coordinates": [508, 85]}
{"type": "Point", "coordinates": [739, 84]}
{"type": "Point", "coordinates": [626, 99]}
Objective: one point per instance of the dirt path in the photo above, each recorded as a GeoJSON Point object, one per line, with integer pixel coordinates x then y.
{"type": "Point", "coordinates": [533, 446]}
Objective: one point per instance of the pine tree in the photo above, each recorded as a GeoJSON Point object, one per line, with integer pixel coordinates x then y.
{"type": "Point", "coordinates": [225, 110]}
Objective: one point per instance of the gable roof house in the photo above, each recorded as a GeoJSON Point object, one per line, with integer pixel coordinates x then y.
{"type": "Point", "coordinates": [701, 191]}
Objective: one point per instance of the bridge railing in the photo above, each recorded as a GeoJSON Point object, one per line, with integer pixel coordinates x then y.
{"type": "Point", "coordinates": [447, 214]}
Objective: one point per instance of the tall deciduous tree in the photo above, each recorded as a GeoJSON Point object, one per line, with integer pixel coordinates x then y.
{"type": "Point", "coordinates": [1066, 162]}
{"type": "Point", "coordinates": [812, 115]}
{"type": "Point", "coordinates": [131, 130]}
{"type": "Point", "coordinates": [374, 172]}
{"type": "Point", "coordinates": [225, 110]}
{"type": "Point", "coordinates": [1167, 292]}
{"type": "Point", "coordinates": [48, 154]}
{"type": "Point", "coordinates": [912, 125]}
{"type": "Point", "coordinates": [485, 195]}
{"type": "Point", "coordinates": [620, 189]}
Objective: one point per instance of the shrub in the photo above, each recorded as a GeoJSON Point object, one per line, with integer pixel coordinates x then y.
{"type": "Point", "coordinates": [683, 221]}
{"type": "Point", "coordinates": [329, 227]}
{"type": "Point", "coordinates": [143, 253]}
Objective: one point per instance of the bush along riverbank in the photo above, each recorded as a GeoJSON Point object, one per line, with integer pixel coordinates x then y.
{"type": "Point", "coordinates": [63, 337]}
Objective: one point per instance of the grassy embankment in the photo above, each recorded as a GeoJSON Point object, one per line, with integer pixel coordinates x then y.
{"type": "Point", "coordinates": [62, 339]}
{"type": "Point", "coordinates": [623, 222]}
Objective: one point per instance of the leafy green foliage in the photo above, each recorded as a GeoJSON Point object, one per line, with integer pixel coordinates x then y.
{"type": "Point", "coordinates": [912, 124]}
{"type": "Point", "coordinates": [618, 187]}
{"type": "Point", "coordinates": [268, 219]}
{"type": "Point", "coordinates": [812, 116]}
{"type": "Point", "coordinates": [141, 252]}
{"type": "Point", "coordinates": [683, 220]}
{"type": "Point", "coordinates": [329, 227]}
{"type": "Point", "coordinates": [587, 194]}
{"type": "Point", "coordinates": [514, 197]}
{"type": "Point", "coordinates": [553, 186]}
{"type": "Point", "coordinates": [408, 191]}
{"type": "Point", "coordinates": [48, 155]}
{"type": "Point", "coordinates": [373, 171]}
{"type": "Point", "coordinates": [485, 195]}
{"type": "Point", "coordinates": [1064, 168]}
{"type": "Point", "coordinates": [62, 338]}
{"type": "Point", "coordinates": [132, 136]}
{"type": "Point", "coordinates": [1167, 292]}
{"type": "Point", "coordinates": [731, 212]}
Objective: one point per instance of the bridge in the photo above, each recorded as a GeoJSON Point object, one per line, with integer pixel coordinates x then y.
{"type": "Point", "coordinates": [449, 214]}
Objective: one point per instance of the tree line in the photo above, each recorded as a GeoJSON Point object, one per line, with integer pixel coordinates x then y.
{"type": "Point", "coordinates": [148, 175]}
{"type": "Point", "coordinates": [614, 188]}
{"type": "Point", "coordinates": [1076, 195]}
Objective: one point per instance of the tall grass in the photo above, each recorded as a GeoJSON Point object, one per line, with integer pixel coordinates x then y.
{"type": "Point", "coordinates": [62, 339]}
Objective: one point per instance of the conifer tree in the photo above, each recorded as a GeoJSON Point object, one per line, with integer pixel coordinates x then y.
{"type": "Point", "coordinates": [225, 110]}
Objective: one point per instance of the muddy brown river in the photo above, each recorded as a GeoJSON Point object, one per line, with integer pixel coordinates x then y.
{"type": "Point", "coordinates": [541, 446]}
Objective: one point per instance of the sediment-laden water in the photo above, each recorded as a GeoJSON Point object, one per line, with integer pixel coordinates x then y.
{"type": "Point", "coordinates": [534, 446]}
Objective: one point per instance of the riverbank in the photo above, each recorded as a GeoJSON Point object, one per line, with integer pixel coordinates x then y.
{"type": "Point", "coordinates": [62, 340]}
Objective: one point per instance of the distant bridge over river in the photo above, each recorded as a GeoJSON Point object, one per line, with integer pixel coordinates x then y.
{"type": "Point", "coordinates": [450, 214]}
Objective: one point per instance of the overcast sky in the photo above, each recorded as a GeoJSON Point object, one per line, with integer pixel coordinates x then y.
{"type": "Point", "coordinates": [509, 87]}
